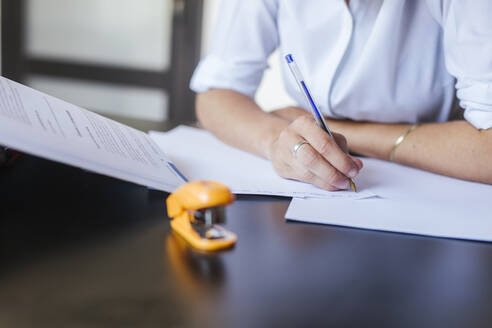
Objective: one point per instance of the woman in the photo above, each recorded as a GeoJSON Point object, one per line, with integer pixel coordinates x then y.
{"type": "Point", "coordinates": [376, 69]}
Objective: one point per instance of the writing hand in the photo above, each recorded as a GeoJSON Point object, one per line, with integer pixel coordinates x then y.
{"type": "Point", "coordinates": [321, 161]}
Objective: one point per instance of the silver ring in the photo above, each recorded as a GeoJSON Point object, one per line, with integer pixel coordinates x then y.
{"type": "Point", "coordinates": [298, 146]}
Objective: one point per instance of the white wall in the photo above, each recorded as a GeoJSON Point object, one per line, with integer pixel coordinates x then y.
{"type": "Point", "coordinates": [128, 33]}
{"type": "Point", "coordinates": [271, 93]}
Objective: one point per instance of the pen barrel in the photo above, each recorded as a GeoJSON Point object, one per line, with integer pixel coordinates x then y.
{"type": "Point", "coordinates": [296, 72]}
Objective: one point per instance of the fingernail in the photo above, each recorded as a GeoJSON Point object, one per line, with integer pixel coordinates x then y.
{"type": "Point", "coordinates": [342, 184]}
{"type": "Point", "coordinates": [353, 173]}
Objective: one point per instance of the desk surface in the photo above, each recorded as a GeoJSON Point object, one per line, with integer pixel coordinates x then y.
{"type": "Point", "coordinates": [82, 250]}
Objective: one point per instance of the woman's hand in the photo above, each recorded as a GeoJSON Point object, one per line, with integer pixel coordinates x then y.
{"type": "Point", "coordinates": [322, 161]}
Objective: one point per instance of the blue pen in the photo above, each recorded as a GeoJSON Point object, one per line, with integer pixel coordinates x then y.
{"type": "Point", "coordinates": [320, 120]}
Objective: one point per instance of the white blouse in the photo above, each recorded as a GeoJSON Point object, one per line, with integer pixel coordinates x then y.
{"type": "Point", "coordinates": [374, 60]}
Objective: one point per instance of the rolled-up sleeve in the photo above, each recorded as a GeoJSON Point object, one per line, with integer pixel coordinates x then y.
{"type": "Point", "coordinates": [245, 35]}
{"type": "Point", "coordinates": [467, 29]}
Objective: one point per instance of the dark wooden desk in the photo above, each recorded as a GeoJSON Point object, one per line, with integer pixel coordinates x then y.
{"type": "Point", "coordinates": [82, 250]}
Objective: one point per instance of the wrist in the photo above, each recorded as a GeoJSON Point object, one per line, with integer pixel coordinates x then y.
{"type": "Point", "coordinates": [269, 145]}
{"type": "Point", "coordinates": [399, 141]}
{"type": "Point", "coordinates": [270, 137]}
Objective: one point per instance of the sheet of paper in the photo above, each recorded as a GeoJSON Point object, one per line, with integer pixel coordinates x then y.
{"type": "Point", "coordinates": [415, 202]}
{"type": "Point", "coordinates": [199, 155]}
{"type": "Point", "coordinates": [459, 220]}
{"type": "Point", "coordinates": [36, 123]}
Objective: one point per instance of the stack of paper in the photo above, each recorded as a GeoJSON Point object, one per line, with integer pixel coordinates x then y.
{"type": "Point", "coordinates": [392, 198]}
{"type": "Point", "coordinates": [412, 201]}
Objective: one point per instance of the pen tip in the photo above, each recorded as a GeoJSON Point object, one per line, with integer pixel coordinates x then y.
{"type": "Point", "coordinates": [352, 186]}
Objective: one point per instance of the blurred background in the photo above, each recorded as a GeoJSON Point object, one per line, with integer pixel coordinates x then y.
{"type": "Point", "coordinates": [126, 59]}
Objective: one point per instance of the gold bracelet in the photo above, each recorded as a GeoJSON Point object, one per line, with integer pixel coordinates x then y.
{"type": "Point", "coordinates": [399, 140]}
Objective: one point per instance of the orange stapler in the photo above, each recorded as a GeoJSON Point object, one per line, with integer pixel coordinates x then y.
{"type": "Point", "coordinates": [195, 210]}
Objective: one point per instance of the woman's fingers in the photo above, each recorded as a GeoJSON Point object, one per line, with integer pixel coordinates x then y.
{"type": "Point", "coordinates": [301, 174]}
{"type": "Point", "coordinates": [309, 166]}
{"type": "Point", "coordinates": [358, 162]}
{"type": "Point", "coordinates": [326, 146]}
{"type": "Point", "coordinates": [309, 159]}
{"type": "Point", "coordinates": [342, 143]}
{"type": "Point", "coordinates": [304, 175]}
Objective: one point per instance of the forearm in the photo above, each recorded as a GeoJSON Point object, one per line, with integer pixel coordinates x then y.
{"type": "Point", "coordinates": [370, 139]}
{"type": "Point", "coordinates": [238, 121]}
{"type": "Point", "coordinates": [454, 149]}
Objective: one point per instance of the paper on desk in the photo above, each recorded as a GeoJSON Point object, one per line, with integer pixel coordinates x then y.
{"type": "Point", "coordinates": [415, 202]}
{"type": "Point", "coordinates": [395, 181]}
{"type": "Point", "coordinates": [47, 127]}
{"type": "Point", "coordinates": [201, 156]}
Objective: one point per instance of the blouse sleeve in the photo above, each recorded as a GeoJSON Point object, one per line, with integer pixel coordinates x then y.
{"type": "Point", "coordinates": [468, 51]}
{"type": "Point", "coordinates": [244, 37]}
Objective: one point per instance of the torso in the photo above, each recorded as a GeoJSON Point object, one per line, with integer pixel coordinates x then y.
{"type": "Point", "coordinates": [376, 61]}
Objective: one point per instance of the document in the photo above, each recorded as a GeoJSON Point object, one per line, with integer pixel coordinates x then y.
{"type": "Point", "coordinates": [201, 156]}
{"type": "Point", "coordinates": [38, 124]}
{"type": "Point", "coordinates": [411, 201]}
